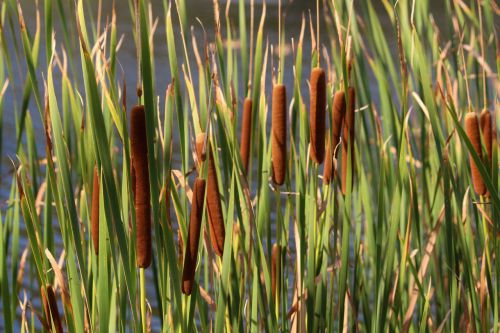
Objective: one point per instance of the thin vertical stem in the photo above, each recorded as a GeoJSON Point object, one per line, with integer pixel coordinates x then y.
{"type": "Point", "coordinates": [143, 299]}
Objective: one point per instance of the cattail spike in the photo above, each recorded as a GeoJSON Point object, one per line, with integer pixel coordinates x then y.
{"type": "Point", "coordinates": [94, 228]}
{"type": "Point", "coordinates": [487, 130]}
{"type": "Point", "coordinates": [193, 239]}
{"type": "Point", "coordinates": [275, 256]}
{"type": "Point", "coordinates": [49, 302]}
{"type": "Point", "coordinates": [278, 137]}
{"type": "Point", "coordinates": [139, 150]}
{"type": "Point", "coordinates": [215, 216]}
{"type": "Point", "coordinates": [317, 114]}
{"type": "Point", "coordinates": [472, 130]}
{"type": "Point", "coordinates": [246, 133]}
{"type": "Point", "coordinates": [348, 139]}
{"type": "Point", "coordinates": [338, 113]}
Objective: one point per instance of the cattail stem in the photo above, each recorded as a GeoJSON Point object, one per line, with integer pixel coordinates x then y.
{"type": "Point", "coordinates": [472, 130]}
{"type": "Point", "coordinates": [200, 145]}
{"type": "Point", "coordinates": [193, 239]}
{"type": "Point", "coordinates": [140, 171]}
{"type": "Point", "coordinates": [50, 307]}
{"type": "Point", "coordinates": [142, 278]}
{"type": "Point", "coordinates": [317, 114]}
{"type": "Point", "coordinates": [246, 133]}
{"type": "Point", "coordinates": [348, 140]}
{"type": "Point", "coordinates": [94, 228]}
{"type": "Point", "coordinates": [215, 216]}
{"type": "Point", "coordinates": [279, 134]}
{"type": "Point", "coordinates": [328, 169]}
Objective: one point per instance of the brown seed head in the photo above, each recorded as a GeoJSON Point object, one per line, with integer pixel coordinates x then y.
{"type": "Point", "coordinates": [472, 130]}
{"type": "Point", "coordinates": [487, 130]}
{"type": "Point", "coordinates": [348, 139]}
{"type": "Point", "coordinates": [338, 112]}
{"type": "Point", "coordinates": [193, 240]}
{"type": "Point", "coordinates": [140, 168]}
{"type": "Point", "coordinates": [278, 136]}
{"type": "Point", "coordinates": [49, 303]}
{"type": "Point", "coordinates": [94, 228]}
{"type": "Point", "coordinates": [275, 256]}
{"type": "Point", "coordinates": [215, 216]}
{"type": "Point", "coordinates": [317, 114]}
{"type": "Point", "coordinates": [246, 133]}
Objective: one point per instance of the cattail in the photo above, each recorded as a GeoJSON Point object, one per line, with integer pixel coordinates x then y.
{"type": "Point", "coordinates": [193, 239]}
{"type": "Point", "coordinates": [472, 130]}
{"type": "Point", "coordinates": [246, 133]}
{"type": "Point", "coordinates": [487, 130]}
{"type": "Point", "coordinates": [200, 141]}
{"type": "Point", "coordinates": [49, 303]}
{"type": "Point", "coordinates": [279, 134]}
{"type": "Point", "coordinates": [317, 114]}
{"type": "Point", "coordinates": [215, 217]}
{"type": "Point", "coordinates": [94, 228]}
{"type": "Point", "coordinates": [140, 170]}
{"type": "Point", "coordinates": [338, 112]}
{"type": "Point", "coordinates": [275, 256]}
{"type": "Point", "coordinates": [348, 139]}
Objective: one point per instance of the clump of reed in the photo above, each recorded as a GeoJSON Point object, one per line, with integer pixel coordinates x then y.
{"type": "Point", "coordinates": [246, 133]}
{"type": "Point", "coordinates": [49, 303]}
{"type": "Point", "coordinates": [140, 171]}
{"type": "Point", "coordinates": [317, 114]}
{"type": "Point", "coordinates": [348, 139]}
{"type": "Point", "coordinates": [191, 253]}
{"type": "Point", "coordinates": [278, 134]}
{"type": "Point", "coordinates": [338, 112]}
{"type": "Point", "coordinates": [472, 130]}
{"type": "Point", "coordinates": [94, 228]}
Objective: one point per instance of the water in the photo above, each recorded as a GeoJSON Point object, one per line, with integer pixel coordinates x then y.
{"type": "Point", "coordinates": [292, 15]}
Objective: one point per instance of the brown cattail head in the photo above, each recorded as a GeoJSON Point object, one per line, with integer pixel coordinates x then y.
{"type": "Point", "coordinates": [275, 257]}
{"type": "Point", "coordinates": [140, 168]}
{"type": "Point", "coordinates": [193, 239]}
{"type": "Point", "coordinates": [246, 133]}
{"type": "Point", "coordinates": [215, 216]}
{"type": "Point", "coordinates": [328, 169]}
{"type": "Point", "coordinates": [338, 112]}
{"type": "Point", "coordinates": [278, 134]}
{"type": "Point", "coordinates": [94, 228]}
{"type": "Point", "coordinates": [348, 139]}
{"type": "Point", "coordinates": [317, 114]}
{"type": "Point", "coordinates": [200, 142]}
{"type": "Point", "coordinates": [472, 130]}
{"type": "Point", "coordinates": [487, 130]}
{"type": "Point", "coordinates": [49, 303]}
